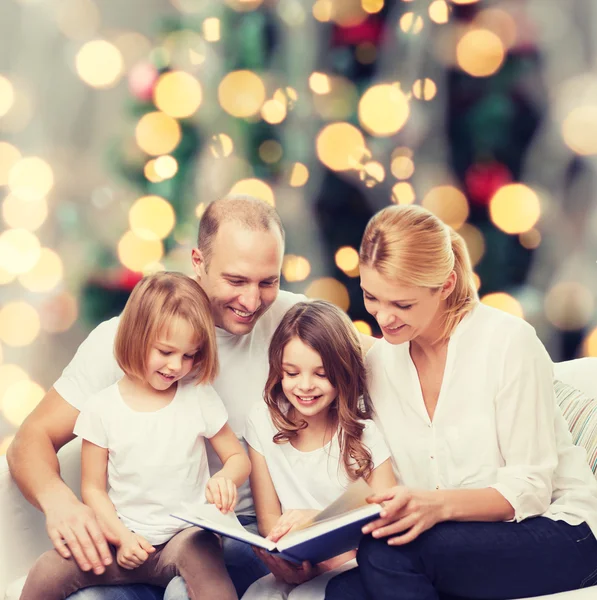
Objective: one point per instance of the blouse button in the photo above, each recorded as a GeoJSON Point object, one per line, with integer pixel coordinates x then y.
{"type": "Point", "coordinates": [437, 487]}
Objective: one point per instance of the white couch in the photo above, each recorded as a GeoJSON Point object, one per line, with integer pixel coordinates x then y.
{"type": "Point", "coordinates": [22, 531]}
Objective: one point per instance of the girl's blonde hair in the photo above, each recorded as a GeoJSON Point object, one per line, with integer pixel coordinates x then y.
{"type": "Point", "coordinates": [327, 330]}
{"type": "Point", "coordinates": [411, 246]}
{"type": "Point", "coordinates": [154, 302]}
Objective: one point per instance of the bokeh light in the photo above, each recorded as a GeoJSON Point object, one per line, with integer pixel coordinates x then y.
{"type": "Point", "coordinates": [590, 344]}
{"type": "Point", "coordinates": [411, 23]}
{"type": "Point", "coordinates": [157, 133]}
{"type": "Point", "coordinates": [424, 89]}
{"type": "Point", "coordinates": [402, 167]}
{"type": "Point", "coordinates": [19, 250]}
{"type": "Point", "coordinates": [504, 302]}
{"type": "Point", "coordinates": [372, 6]}
{"type": "Point", "coordinates": [20, 399]}
{"type": "Point", "coordinates": [363, 327]}
{"type": "Point", "coordinates": [319, 83]}
{"type": "Point", "coordinates": [339, 102]}
{"type": "Point", "coordinates": [7, 95]}
{"type": "Point", "coordinates": [347, 259]}
{"type": "Point", "coordinates": [151, 218]}
{"type": "Point", "coordinates": [77, 19]}
{"type": "Point", "coordinates": [330, 289]}
{"type": "Point", "coordinates": [221, 145]}
{"type": "Point", "coordinates": [475, 242]}
{"type": "Point", "coordinates": [530, 239]}
{"type": "Point", "coordinates": [449, 204]}
{"type": "Point", "coordinates": [372, 173]}
{"type": "Point", "coordinates": [295, 268]}
{"type": "Point", "coordinates": [9, 375]}
{"type": "Point", "coordinates": [211, 29]}
{"type": "Point", "coordinates": [439, 11]}
{"type": "Point", "coordinates": [403, 193]}
{"type": "Point", "coordinates": [178, 94]}
{"type": "Point", "coordinates": [46, 274]}
{"type": "Point", "coordinates": [135, 252]}
{"type": "Point", "coordinates": [383, 110]}
{"type": "Point", "coordinates": [99, 64]}
{"type": "Point", "coordinates": [241, 93]}
{"type": "Point", "coordinates": [5, 443]}
{"type": "Point", "coordinates": [31, 178]}
{"type": "Point", "coordinates": [499, 22]}
{"type": "Point", "coordinates": [569, 305]}
{"type": "Point", "coordinates": [299, 175]}
{"type": "Point", "coordinates": [254, 187]}
{"type": "Point", "coordinates": [9, 156]}
{"type": "Point", "coordinates": [480, 52]}
{"type": "Point", "coordinates": [59, 313]}
{"type": "Point", "coordinates": [515, 208]}
{"type": "Point", "coordinates": [24, 214]}
{"type": "Point", "coordinates": [270, 151]}
{"type": "Point", "coordinates": [273, 112]}
{"type": "Point", "coordinates": [579, 130]}
{"type": "Point", "coordinates": [340, 146]}
{"type": "Point", "coordinates": [19, 324]}
{"type": "Point", "coordinates": [166, 166]}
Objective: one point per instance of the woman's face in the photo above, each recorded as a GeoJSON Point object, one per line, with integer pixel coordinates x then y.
{"type": "Point", "coordinates": [403, 313]}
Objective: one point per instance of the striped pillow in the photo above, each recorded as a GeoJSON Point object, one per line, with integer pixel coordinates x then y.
{"type": "Point", "coordinates": [581, 413]}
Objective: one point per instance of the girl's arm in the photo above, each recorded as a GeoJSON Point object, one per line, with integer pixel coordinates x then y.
{"type": "Point", "coordinates": [222, 487]}
{"type": "Point", "coordinates": [94, 476]}
{"type": "Point", "coordinates": [382, 477]}
{"type": "Point", "coordinates": [267, 505]}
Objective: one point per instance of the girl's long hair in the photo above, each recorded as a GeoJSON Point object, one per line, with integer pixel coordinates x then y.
{"type": "Point", "coordinates": [327, 330]}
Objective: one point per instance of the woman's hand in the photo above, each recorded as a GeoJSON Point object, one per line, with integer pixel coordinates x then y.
{"type": "Point", "coordinates": [222, 492]}
{"type": "Point", "coordinates": [133, 551]}
{"type": "Point", "coordinates": [291, 519]}
{"type": "Point", "coordinates": [406, 512]}
{"type": "Point", "coordinates": [287, 571]}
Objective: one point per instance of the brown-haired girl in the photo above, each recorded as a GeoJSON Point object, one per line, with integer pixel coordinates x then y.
{"type": "Point", "coordinates": [143, 453]}
{"type": "Point", "coordinates": [313, 435]}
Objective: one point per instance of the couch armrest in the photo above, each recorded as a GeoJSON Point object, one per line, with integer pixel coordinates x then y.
{"type": "Point", "coordinates": [22, 527]}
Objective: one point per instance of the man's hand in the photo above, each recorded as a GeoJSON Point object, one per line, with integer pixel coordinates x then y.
{"type": "Point", "coordinates": [222, 492]}
{"type": "Point", "coordinates": [291, 519]}
{"type": "Point", "coordinates": [75, 531]}
{"type": "Point", "coordinates": [287, 571]}
{"type": "Point", "coordinates": [133, 551]}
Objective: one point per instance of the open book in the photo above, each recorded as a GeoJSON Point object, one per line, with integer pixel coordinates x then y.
{"type": "Point", "coordinates": [334, 530]}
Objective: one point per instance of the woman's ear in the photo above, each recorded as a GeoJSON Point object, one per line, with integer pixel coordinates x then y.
{"type": "Point", "coordinates": [449, 285]}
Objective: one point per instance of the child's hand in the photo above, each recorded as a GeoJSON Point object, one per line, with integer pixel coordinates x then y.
{"type": "Point", "coordinates": [221, 491]}
{"type": "Point", "coordinates": [133, 551]}
{"type": "Point", "coordinates": [289, 520]}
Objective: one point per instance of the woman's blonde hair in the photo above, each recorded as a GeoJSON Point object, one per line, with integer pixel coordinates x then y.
{"type": "Point", "coordinates": [154, 302]}
{"type": "Point", "coordinates": [411, 246]}
{"type": "Point", "coordinates": [326, 329]}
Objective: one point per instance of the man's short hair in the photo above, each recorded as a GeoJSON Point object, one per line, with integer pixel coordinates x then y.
{"type": "Point", "coordinates": [248, 211]}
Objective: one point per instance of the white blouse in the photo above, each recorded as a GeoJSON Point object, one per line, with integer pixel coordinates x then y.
{"type": "Point", "coordinates": [496, 423]}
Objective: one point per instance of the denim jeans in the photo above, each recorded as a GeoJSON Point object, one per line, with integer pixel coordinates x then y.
{"type": "Point", "coordinates": [485, 561]}
{"type": "Point", "coordinates": [243, 567]}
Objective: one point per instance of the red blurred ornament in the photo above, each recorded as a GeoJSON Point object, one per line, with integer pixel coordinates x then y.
{"type": "Point", "coordinates": [484, 179]}
{"type": "Point", "coordinates": [370, 30]}
{"type": "Point", "coordinates": [142, 79]}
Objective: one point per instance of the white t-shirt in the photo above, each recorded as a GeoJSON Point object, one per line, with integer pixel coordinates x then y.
{"type": "Point", "coordinates": [306, 479]}
{"type": "Point", "coordinates": [157, 462]}
{"type": "Point", "coordinates": [496, 423]}
{"type": "Point", "coordinates": [240, 383]}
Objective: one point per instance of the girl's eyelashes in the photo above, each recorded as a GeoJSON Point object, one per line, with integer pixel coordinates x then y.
{"type": "Point", "coordinates": [289, 374]}
{"type": "Point", "coordinates": [403, 307]}
{"type": "Point", "coordinates": [164, 352]}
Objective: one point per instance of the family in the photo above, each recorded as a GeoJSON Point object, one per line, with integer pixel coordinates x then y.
{"type": "Point", "coordinates": [450, 418]}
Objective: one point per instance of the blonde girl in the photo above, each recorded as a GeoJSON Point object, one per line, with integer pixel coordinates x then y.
{"type": "Point", "coordinates": [143, 451]}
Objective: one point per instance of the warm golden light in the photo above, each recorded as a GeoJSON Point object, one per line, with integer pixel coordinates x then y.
{"type": "Point", "coordinates": [77, 19]}
{"type": "Point", "coordinates": [5, 443]}
{"type": "Point", "coordinates": [254, 187]}
{"type": "Point", "coordinates": [347, 259]}
{"type": "Point", "coordinates": [340, 102]}
{"type": "Point", "coordinates": [569, 305]}
{"type": "Point", "coordinates": [299, 175]}
{"type": "Point", "coordinates": [372, 173]}
{"type": "Point", "coordinates": [504, 302]}
{"type": "Point", "coordinates": [177, 94]}
{"type": "Point", "coordinates": [319, 83]}
{"type": "Point", "coordinates": [402, 167]}
{"type": "Point", "coordinates": [515, 208]}
{"type": "Point", "coordinates": [590, 344]}
{"type": "Point", "coordinates": [211, 29]}
{"type": "Point", "coordinates": [157, 133]}
{"type": "Point", "coordinates": [424, 89]}
{"type": "Point", "coordinates": [221, 145]}
{"type": "Point", "coordinates": [46, 274]}
{"type": "Point", "coordinates": [19, 250]}
{"type": "Point", "coordinates": [241, 93]}
{"type": "Point", "coordinates": [99, 64]}
{"type": "Point", "coordinates": [20, 399]}
{"type": "Point", "coordinates": [166, 166]}
{"type": "Point", "coordinates": [19, 324]}
{"type": "Point", "coordinates": [340, 146]}
{"type": "Point", "coordinates": [9, 156]}
{"type": "Point", "coordinates": [9, 375]}
{"type": "Point", "coordinates": [403, 193]}
{"type": "Point", "coordinates": [31, 178]}
{"type": "Point", "coordinates": [135, 252]}
{"type": "Point", "coordinates": [322, 10]}
{"type": "Point", "coordinates": [411, 23]}
{"type": "Point", "coordinates": [530, 239]}
{"type": "Point", "coordinates": [24, 214]}
{"type": "Point", "coordinates": [499, 22]}
{"type": "Point", "coordinates": [449, 204]}
{"type": "Point", "coordinates": [372, 6]}
{"type": "Point", "coordinates": [439, 12]}
{"type": "Point", "coordinates": [151, 218]}
{"type": "Point", "coordinates": [59, 313]}
{"type": "Point", "coordinates": [475, 242]}
{"type": "Point", "coordinates": [295, 268]}
{"type": "Point", "coordinates": [6, 276]}
{"type": "Point", "coordinates": [579, 130]}
{"type": "Point", "coordinates": [286, 96]}
{"type": "Point", "coordinates": [273, 112]}
{"type": "Point", "coordinates": [480, 52]}
{"type": "Point", "coordinates": [383, 110]}
{"type": "Point", "coordinates": [7, 95]}
{"type": "Point", "coordinates": [363, 327]}
{"type": "Point", "coordinates": [150, 172]}
{"type": "Point", "coordinates": [270, 151]}
{"type": "Point", "coordinates": [330, 289]}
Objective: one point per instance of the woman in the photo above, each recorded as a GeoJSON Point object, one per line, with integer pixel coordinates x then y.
{"type": "Point", "coordinates": [464, 396]}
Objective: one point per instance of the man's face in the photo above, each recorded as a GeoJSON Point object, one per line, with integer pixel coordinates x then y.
{"type": "Point", "coordinates": [242, 278]}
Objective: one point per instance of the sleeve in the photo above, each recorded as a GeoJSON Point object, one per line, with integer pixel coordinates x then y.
{"type": "Point", "coordinates": [525, 406]}
{"type": "Point", "coordinates": [213, 410]}
{"type": "Point", "coordinates": [93, 368]}
{"type": "Point", "coordinates": [252, 429]}
{"type": "Point", "coordinates": [90, 425]}
{"type": "Point", "coordinates": [375, 442]}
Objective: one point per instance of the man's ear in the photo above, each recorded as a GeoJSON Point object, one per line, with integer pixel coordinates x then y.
{"type": "Point", "coordinates": [198, 262]}
{"type": "Point", "coordinates": [449, 285]}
